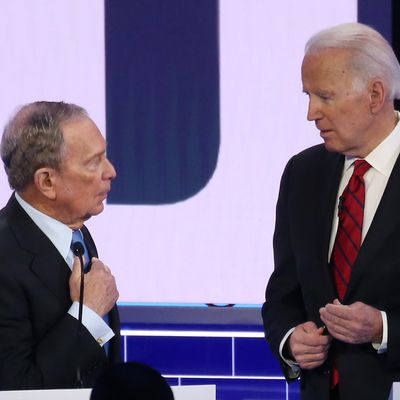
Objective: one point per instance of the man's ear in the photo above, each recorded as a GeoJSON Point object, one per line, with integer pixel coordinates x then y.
{"type": "Point", "coordinates": [378, 95]}
{"type": "Point", "coordinates": [44, 179]}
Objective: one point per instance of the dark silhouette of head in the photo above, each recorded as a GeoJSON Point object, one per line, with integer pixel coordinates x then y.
{"type": "Point", "coordinates": [131, 381]}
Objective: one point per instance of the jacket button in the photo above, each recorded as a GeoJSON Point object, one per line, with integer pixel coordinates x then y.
{"type": "Point", "coordinates": [327, 372]}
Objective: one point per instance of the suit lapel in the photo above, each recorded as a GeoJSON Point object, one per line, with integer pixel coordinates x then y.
{"type": "Point", "coordinates": [328, 198]}
{"type": "Point", "coordinates": [47, 263]}
{"type": "Point", "coordinates": [382, 226]}
{"type": "Point", "coordinates": [89, 242]}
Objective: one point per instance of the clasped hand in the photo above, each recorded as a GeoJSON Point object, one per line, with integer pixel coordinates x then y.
{"type": "Point", "coordinates": [308, 345]}
{"type": "Point", "coordinates": [100, 292]}
{"type": "Point", "coordinates": [356, 323]}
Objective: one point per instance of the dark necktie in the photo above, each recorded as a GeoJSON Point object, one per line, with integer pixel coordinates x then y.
{"type": "Point", "coordinates": [77, 237]}
{"type": "Point", "coordinates": [349, 234]}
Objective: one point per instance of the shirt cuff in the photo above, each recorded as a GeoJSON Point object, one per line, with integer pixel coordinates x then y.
{"type": "Point", "coordinates": [382, 347]}
{"type": "Point", "coordinates": [97, 327]}
{"type": "Point", "coordinates": [292, 364]}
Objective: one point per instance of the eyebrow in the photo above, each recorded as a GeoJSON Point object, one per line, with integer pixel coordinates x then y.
{"type": "Point", "coordinates": [95, 155]}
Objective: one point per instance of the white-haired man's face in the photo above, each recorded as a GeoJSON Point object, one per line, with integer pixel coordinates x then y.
{"type": "Point", "coordinates": [340, 109]}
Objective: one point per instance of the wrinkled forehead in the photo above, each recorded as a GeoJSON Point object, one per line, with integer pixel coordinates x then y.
{"type": "Point", "coordinates": [328, 58]}
{"type": "Point", "coordinates": [328, 66]}
{"type": "Point", "coordinates": [83, 136]}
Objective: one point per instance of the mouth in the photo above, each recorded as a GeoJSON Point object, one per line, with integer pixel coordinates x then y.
{"type": "Point", "coordinates": [325, 132]}
{"type": "Point", "coordinates": [104, 194]}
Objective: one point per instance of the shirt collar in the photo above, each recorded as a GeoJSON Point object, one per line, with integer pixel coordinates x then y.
{"type": "Point", "coordinates": [58, 233]}
{"type": "Point", "coordinates": [384, 156]}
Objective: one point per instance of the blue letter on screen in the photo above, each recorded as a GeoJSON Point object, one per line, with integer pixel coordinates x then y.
{"type": "Point", "coordinates": [162, 98]}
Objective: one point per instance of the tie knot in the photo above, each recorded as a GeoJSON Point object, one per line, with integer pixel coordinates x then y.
{"type": "Point", "coordinates": [361, 167]}
{"type": "Point", "coordinates": [78, 243]}
{"type": "Point", "coordinates": [76, 237]}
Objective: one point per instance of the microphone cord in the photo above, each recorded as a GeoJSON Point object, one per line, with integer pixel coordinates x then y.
{"type": "Point", "coordinates": [78, 250]}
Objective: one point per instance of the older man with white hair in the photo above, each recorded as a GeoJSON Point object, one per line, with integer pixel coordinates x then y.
{"type": "Point", "coordinates": [332, 309]}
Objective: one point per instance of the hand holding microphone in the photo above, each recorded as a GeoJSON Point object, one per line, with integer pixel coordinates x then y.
{"type": "Point", "coordinates": [101, 291]}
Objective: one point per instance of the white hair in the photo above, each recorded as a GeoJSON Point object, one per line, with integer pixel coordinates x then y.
{"type": "Point", "coordinates": [371, 54]}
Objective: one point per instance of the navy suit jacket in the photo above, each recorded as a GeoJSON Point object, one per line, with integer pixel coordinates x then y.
{"type": "Point", "coordinates": [302, 282]}
{"type": "Point", "coordinates": [38, 338]}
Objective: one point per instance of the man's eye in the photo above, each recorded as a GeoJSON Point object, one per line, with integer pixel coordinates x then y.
{"type": "Point", "coordinates": [95, 161]}
{"type": "Point", "coordinates": [325, 97]}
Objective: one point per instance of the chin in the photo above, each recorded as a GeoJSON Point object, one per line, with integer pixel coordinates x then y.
{"type": "Point", "coordinates": [99, 209]}
{"type": "Point", "coordinates": [333, 149]}
{"type": "Point", "coordinates": [86, 217]}
{"type": "Point", "coordinates": [334, 146]}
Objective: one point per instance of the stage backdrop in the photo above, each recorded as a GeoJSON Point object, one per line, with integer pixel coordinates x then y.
{"type": "Point", "coordinates": [202, 105]}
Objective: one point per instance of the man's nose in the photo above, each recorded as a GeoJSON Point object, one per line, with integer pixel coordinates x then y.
{"type": "Point", "coordinates": [314, 110]}
{"type": "Point", "coordinates": [110, 172]}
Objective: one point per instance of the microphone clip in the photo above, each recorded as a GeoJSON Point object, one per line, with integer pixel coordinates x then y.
{"type": "Point", "coordinates": [340, 205]}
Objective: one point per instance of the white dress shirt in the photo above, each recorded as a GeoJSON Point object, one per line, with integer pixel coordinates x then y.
{"type": "Point", "coordinates": [61, 236]}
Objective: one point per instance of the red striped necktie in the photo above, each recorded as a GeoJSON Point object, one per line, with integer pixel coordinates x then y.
{"type": "Point", "coordinates": [349, 233]}
{"type": "Point", "coordinates": [348, 236]}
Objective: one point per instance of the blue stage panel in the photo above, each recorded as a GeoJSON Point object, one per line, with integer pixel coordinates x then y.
{"type": "Point", "coordinates": [294, 390]}
{"type": "Point", "coordinates": [183, 355]}
{"type": "Point", "coordinates": [173, 381]}
{"type": "Point", "coordinates": [253, 357]}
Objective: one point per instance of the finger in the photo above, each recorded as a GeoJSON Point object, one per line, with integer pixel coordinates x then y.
{"type": "Point", "coordinates": [96, 263]}
{"type": "Point", "coordinates": [335, 328]}
{"type": "Point", "coordinates": [317, 357]}
{"type": "Point", "coordinates": [336, 309]}
{"type": "Point", "coordinates": [314, 352]}
{"type": "Point", "coordinates": [311, 365]}
{"type": "Point", "coordinates": [339, 312]}
{"type": "Point", "coordinates": [347, 337]}
{"type": "Point", "coordinates": [311, 345]}
{"type": "Point", "coordinates": [334, 313]}
{"type": "Point", "coordinates": [326, 317]}
{"type": "Point", "coordinates": [342, 329]}
{"type": "Point", "coordinates": [321, 330]}
{"type": "Point", "coordinates": [309, 327]}
{"type": "Point", "coordinates": [76, 268]}
{"type": "Point", "coordinates": [308, 362]}
{"type": "Point", "coordinates": [334, 324]}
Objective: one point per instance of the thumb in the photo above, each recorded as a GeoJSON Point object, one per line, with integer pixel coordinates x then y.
{"type": "Point", "coordinates": [76, 268]}
{"type": "Point", "coordinates": [74, 279]}
{"type": "Point", "coordinates": [309, 326]}
{"type": "Point", "coordinates": [321, 330]}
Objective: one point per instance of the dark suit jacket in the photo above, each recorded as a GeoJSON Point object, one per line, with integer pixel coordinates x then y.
{"type": "Point", "coordinates": [38, 338]}
{"type": "Point", "coordinates": [302, 283]}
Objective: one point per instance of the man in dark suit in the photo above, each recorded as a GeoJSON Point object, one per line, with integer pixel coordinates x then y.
{"type": "Point", "coordinates": [333, 319]}
{"type": "Point", "coordinates": [55, 160]}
